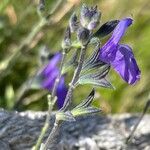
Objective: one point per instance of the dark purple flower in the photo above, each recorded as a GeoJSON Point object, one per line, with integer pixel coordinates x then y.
{"type": "Point", "coordinates": [49, 74]}
{"type": "Point", "coordinates": [61, 92]}
{"type": "Point", "coordinates": [119, 56]}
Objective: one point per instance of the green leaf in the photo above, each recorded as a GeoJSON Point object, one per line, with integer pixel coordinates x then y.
{"type": "Point", "coordinates": [99, 83]}
{"type": "Point", "coordinates": [84, 107]}
{"type": "Point", "coordinates": [71, 63]}
{"type": "Point", "coordinates": [84, 111]}
{"type": "Point", "coordinates": [96, 78]}
{"type": "Point", "coordinates": [93, 60]}
{"type": "Point", "coordinates": [87, 101]}
{"type": "Point", "coordinates": [65, 116]}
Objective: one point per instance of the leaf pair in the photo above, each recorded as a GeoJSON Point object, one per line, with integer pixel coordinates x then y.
{"type": "Point", "coordinates": [94, 71]}
{"type": "Point", "coordinates": [84, 107]}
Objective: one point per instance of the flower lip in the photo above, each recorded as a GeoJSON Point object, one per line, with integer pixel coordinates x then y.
{"type": "Point", "coordinates": [125, 64]}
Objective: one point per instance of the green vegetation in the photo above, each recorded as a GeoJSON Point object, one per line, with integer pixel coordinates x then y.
{"type": "Point", "coordinates": [19, 18]}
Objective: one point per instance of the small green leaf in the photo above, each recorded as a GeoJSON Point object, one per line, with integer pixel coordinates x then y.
{"type": "Point", "coordinates": [70, 64]}
{"type": "Point", "coordinates": [84, 111]}
{"type": "Point", "coordinates": [93, 62]}
{"type": "Point", "coordinates": [96, 78]}
{"type": "Point", "coordinates": [100, 83]}
{"type": "Point", "coordinates": [65, 116]}
{"type": "Point", "coordinates": [87, 101]}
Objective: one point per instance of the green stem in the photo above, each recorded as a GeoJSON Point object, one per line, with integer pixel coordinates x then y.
{"type": "Point", "coordinates": [51, 104]}
{"type": "Point", "coordinates": [68, 96]}
{"type": "Point", "coordinates": [75, 78]}
{"type": "Point", "coordinates": [59, 76]}
{"type": "Point", "coordinates": [9, 63]}
{"type": "Point", "coordinates": [45, 127]}
{"type": "Point", "coordinates": [52, 134]}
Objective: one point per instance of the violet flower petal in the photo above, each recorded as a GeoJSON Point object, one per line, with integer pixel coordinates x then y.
{"type": "Point", "coordinates": [61, 92]}
{"type": "Point", "coordinates": [49, 74]}
{"type": "Point", "coordinates": [125, 64]}
{"type": "Point", "coordinates": [51, 65]}
{"type": "Point", "coordinates": [107, 52]}
{"type": "Point", "coordinates": [49, 80]}
{"type": "Point", "coordinates": [121, 57]}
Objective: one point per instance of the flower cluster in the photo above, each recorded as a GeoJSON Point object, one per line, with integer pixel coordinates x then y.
{"type": "Point", "coordinates": [119, 56]}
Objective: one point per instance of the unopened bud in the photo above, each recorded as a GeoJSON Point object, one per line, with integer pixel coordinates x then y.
{"type": "Point", "coordinates": [66, 43]}
{"type": "Point", "coordinates": [73, 23]}
{"type": "Point", "coordinates": [44, 55]}
{"type": "Point", "coordinates": [90, 17]}
{"type": "Point", "coordinates": [83, 35]}
{"type": "Point", "coordinates": [41, 6]}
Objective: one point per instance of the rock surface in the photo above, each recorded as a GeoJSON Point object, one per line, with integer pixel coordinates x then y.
{"type": "Point", "coordinates": [19, 131]}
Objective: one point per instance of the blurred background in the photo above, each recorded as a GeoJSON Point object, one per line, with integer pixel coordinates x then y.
{"type": "Point", "coordinates": [19, 55]}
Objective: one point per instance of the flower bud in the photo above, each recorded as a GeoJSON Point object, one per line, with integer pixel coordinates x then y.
{"type": "Point", "coordinates": [83, 35]}
{"type": "Point", "coordinates": [44, 55]}
{"type": "Point", "coordinates": [66, 43]}
{"type": "Point", "coordinates": [73, 23]}
{"type": "Point", "coordinates": [41, 5]}
{"type": "Point", "coordinates": [90, 17]}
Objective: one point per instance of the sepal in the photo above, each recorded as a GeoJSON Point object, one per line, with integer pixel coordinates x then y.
{"type": "Point", "coordinates": [106, 28]}
{"type": "Point", "coordinates": [74, 23]}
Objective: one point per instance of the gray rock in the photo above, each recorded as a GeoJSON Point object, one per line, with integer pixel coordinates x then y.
{"type": "Point", "coordinates": [19, 131]}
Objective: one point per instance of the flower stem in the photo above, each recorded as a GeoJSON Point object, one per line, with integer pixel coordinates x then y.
{"type": "Point", "coordinates": [51, 104]}
{"type": "Point", "coordinates": [68, 96]}
{"type": "Point", "coordinates": [51, 135]}
{"type": "Point", "coordinates": [59, 76]}
{"type": "Point", "coordinates": [75, 78]}
{"type": "Point", "coordinates": [45, 127]}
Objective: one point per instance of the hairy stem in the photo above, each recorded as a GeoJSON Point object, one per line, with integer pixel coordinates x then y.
{"type": "Point", "coordinates": [75, 78]}
{"type": "Point", "coordinates": [59, 76]}
{"type": "Point", "coordinates": [68, 96]}
{"type": "Point", "coordinates": [45, 128]}
{"type": "Point", "coordinates": [51, 104]}
{"type": "Point", "coordinates": [52, 134]}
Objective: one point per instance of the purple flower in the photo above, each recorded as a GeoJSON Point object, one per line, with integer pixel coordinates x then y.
{"type": "Point", "coordinates": [49, 74]}
{"type": "Point", "coordinates": [120, 56]}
